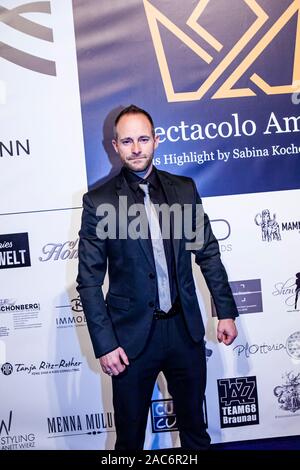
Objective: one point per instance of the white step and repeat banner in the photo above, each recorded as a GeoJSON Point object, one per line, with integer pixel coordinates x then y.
{"type": "Point", "coordinates": [231, 121]}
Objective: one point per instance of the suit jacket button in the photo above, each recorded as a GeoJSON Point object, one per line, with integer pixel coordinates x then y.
{"type": "Point", "coordinates": [151, 304]}
{"type": "Point", "coordinates": [152, 275]}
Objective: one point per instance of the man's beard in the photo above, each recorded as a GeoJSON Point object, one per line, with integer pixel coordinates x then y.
{"type": "Point", "coordinates": [131, 166]}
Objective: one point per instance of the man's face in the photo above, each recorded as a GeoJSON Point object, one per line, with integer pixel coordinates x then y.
{"type": "Point", "coordinates": [135, 143]}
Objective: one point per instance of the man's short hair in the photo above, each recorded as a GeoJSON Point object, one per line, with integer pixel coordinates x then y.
{"type": "Point", "coordinates": [133, 109]}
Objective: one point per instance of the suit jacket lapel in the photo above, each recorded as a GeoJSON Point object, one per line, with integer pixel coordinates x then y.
{"type": "Point", "coordinates": [123, 189]}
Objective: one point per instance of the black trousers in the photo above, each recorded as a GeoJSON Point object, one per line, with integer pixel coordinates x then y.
{"type": "Point", "coordinates": [171, 350]}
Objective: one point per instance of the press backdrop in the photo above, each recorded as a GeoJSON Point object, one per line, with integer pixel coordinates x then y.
{"type": "Point", "coordinates": [221, 80]}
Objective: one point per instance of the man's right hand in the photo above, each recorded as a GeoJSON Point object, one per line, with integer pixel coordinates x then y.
{"type": "Point", "coordinates": [114, 362]}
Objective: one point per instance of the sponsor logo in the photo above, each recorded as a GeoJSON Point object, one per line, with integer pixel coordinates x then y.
{"type": "Point", "coordinates": [293, 345]}
{"type": "Point", "coordinates": [247, 350]}
{"type": "Point", "coordinates": [289, 291]}
{"type": "Point", "coordinates": [60, 251]}
{"type": "Point", "coordinates": [270, 229]}
{"type": "Point", "coordinates": [297, 290]}
{"type": "Point", "coordinates": [288, 394]}
{"type": "Point", "coordinates": [218, 57]}
{"type": "Point", "coordinates": [163, 416]}
{"type": "Point", "coordinates": [14, 251]}
{"type": "Point", "coordinates": [75, 317]}
{"type": "Point", "coordinates": [76, 304]}
{"type": "Point", "coordinates": [9, 441]}
{"type": "Point", "coordinates": [24, 315]}
{"type": "Point", "coordinates": [9, 305]}
{"type": "Point", "coordinates": [247, 295]}
{"type": "Point", "coordinates": [14, 148]}
{"type": "Point", "coordinates": [238, 401]}
{"type": "Point", "coordinates": [6, 425]}
{"type": "Point", "coordinates": [13, 17]}
{"type": "Point", "coordinates": [90, 424]}
{"type": "Point", "coordinates": [7, 368]}
{"type": "Point", "coordinates": [46, 367]}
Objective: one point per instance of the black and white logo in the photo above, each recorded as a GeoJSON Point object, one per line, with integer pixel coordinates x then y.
{"type": "Point", "coordinates": [7, 368]}
{"type": "Point", "coordinates": [76, 304]}
{"type": "Point", "coordinates": [293, 345]}
{"type": "Point", "coordinates": [247, 350]}
{"type": "Point", "coordinates": [90, 424]}
{"type": "Point", "coordinates": [5, 425]}
{"type": "Point", "coordinates": [70, 315]}
{"type": "Point", "coordinates": [10, 305]}
{"type": "Point", "coordinates": [297, 290]}
{"type": "Point", "coordinates": [271, 229]}
{"type": "Point", "coordinates": [288, 291]}
{"type": "Point", "coordinates": [238, 401]}
{"type": "Point", "coordinates": [9, 441]}
{"type": "Point", "coordinates": [46, 367]}
{"type": "Point", "coordinates": [288, 394]}
{"type": "Point", "coordinates": [14, 251]}
{"type": "Point", "coordinates": [14, 148]}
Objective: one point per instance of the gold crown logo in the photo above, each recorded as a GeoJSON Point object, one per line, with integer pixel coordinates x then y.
{"type": "Point", "coordinates": [226, 90]}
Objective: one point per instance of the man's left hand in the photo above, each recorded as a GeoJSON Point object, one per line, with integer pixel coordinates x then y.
{"type": "Point", "coordinates": [226, 331]}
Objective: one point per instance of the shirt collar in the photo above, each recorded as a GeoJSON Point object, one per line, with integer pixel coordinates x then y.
{"type": "Point", "coordinates": [134, 180]}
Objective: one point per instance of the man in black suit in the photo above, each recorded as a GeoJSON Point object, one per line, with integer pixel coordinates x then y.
{"type": "Point", "coordinates": [150, 320]}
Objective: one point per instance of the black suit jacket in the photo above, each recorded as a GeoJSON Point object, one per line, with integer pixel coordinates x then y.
{"type": "Point", "coordinates": [124, 318]}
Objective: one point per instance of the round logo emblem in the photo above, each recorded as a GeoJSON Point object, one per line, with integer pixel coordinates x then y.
{"type": "Point", "coordinates": [293, 345]}
{"type": "Point", "coordinates": [6, 368]}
